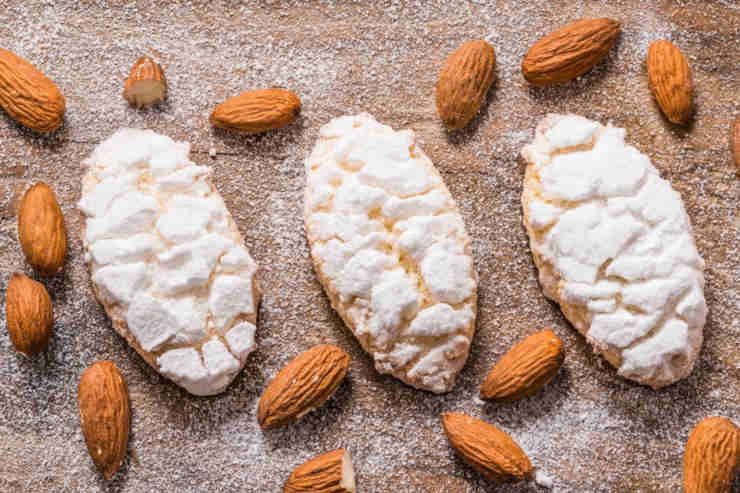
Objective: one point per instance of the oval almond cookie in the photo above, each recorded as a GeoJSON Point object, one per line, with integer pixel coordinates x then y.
{"type": "Point", "coordinates": [614, 247]}
{"type": "Point", "coordinates": [390, 248]}
{"type": "Point", "coordinates": [167, 261]}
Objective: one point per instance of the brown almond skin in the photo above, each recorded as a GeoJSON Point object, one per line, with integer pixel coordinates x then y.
{"type": "Point", "coordinates": [145, 71]}
{"type": "Point", "coordinates": [320, 475]}
{"type": "Point", "coordinates": [735, 142]}
{"type": "Point", "coordinates": [525, 368]}
{"type": "Point", "coordinates": [464, 81]}
{"type": "Point", "coordinates": [28, 313]}
{"type": "Point", "coordinates": [712, 456]}
{"type": "Point", "coordinates": [570, 51]}
{"type": "Point", "coordinates": [257, 111]}
{"type": "Point", "coordinates": [487, 449]}
{"type": "Point", "coordinates": [670, 80]}
{"type": "Point", "coordinates": [303, 385]}
{"type": "Point", "coordinates": [41, 230]}
{"type": "Point", "coordinates": [103, 402]}
{"type": "Point", "coordinates": [29, 96]}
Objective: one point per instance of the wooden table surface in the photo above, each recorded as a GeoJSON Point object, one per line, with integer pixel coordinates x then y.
{"type": "Point", "coordinates": [589, 430]}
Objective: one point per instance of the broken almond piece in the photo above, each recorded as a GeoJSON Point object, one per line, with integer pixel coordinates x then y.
{"type": "Point", "coordinates": [328, 473]}
{"type": "Point", "coordinates": [146, 84]}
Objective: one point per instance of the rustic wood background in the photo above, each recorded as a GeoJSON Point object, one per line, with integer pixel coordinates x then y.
{"type": "Point", "coordinates": [590, 431]}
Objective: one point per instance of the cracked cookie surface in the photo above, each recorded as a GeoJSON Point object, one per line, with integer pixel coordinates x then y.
{"type": "Point", "coordinates": [390, 248]}
{"type": "Point", "coordinates": [614, 247]}
{"type": "Point", "coordinates": [167, 260]}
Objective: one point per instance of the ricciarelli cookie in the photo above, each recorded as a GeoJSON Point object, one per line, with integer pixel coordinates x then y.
{"type": "Point", "coordinates": [167, 260]}
{"type": "Point", "coordinates": [390, 248]}
{"type": "Point", "coordinates": [614, 247]}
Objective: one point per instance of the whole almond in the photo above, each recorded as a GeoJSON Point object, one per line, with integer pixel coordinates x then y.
{"type": "Point", "coordinates": [735, 142]}
{"type": "Point", "coordinates": [303, 385]}
{"type": "Point", "coordinates": [669, 77]}
{"type": "Point", "coordinates": [102, 397]}
{"type": "Point", "coordinates": [28, 314]}
{"type": "Point", "coordinates": [41, 230]}
{"type": "Point", "coordinates": [146, 84]}
{"type": "Point", "coordinates": [328, 473]}
{"type": "Point", "coordinates": [525, 368]}
{"type": "Point", "coordinates": [29, 96]}
{"type": "Point", "coordinates": [487, 449]}
{"type": "Point", "coordinates": [257, 111]}
{"type": "Point", "coordinates": [464, 81]}
{"type": "Point", "coordinates": [712, 456]}
{"type": "Point", "coordinates": [570, 51]}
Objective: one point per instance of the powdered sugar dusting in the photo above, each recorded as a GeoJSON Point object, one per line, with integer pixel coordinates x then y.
{"type": "Point", "coordinates": [589, 430]}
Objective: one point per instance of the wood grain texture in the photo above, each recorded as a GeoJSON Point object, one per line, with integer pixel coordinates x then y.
{"type": "Point", "coordinates": [589, 430]}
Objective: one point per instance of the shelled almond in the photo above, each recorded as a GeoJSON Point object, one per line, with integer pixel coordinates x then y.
{"type": "Point", "coordinates": [103, 402]}
{"type": "Point", "coordinates": [487, 449]}
{"type": "Point", "coordinates": [712, 456]}
{"type": "Point", "coordinates": [257, 111]}
{"type": "Point", "coordinates": [303, 385]}
{"type": "Point", "coordinates": [525, 368]}
{"type": "Point", "coordinates": [570, 51]}
{"type": "Point", "coordinates": [28, 314]}
{"type": "Point", "coordinates": [29, 97]}
{"type": "Point", "coordinates": [464, 81]}
{"type": "Point", "coordinates": [670, 80]}
{"type": "Point", "coordinates": [41, 230]}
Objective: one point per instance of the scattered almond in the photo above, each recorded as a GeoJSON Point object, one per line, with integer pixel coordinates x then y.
{"type": "Point", "coordinates": [525, 368]}
{"type": "Point", "coordinates": [257, 111]}
{"type": "Point", "coordinates": [464, 81]}
{"type": "Point", "coordinates": [735, 142]}
{"type": "Point", "coordinates": [328, 473]}
{"type": "Point", "coordinates": [570, 51]}
{"type": "Point", "coordinates": [303, 385]}
{"type": "Point", "coordinates": [487, 449]}
{"type": "Point", "coordinates": [670, 80]}
{"type": "Point", "coordinates": [29, 96]}
{"type": "Point", "coordinates": [104, 415]}
{"type": "Point", "coordinates": [146, 84]}
{"type": "Point", "coordinates": [28, 314]}
{"type": "Point", "coordinates": [712, 456]}
{"type": "Point", "coordinates": [41, 230]}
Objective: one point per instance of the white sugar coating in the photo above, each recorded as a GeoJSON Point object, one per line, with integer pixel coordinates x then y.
{"type": "Point", "coordinates": [614, 247]}
{"type": "Point", "coordinates": [156, 234]}
{"type": "Point", "coordinates": [391, 250]}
